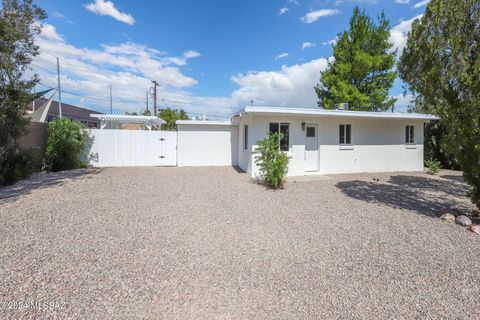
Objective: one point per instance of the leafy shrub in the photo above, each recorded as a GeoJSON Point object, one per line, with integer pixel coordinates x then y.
{"type": "Point", "coordinates": [436, 145]}
{"type": "Point", "coordinates": [273, 163]}
{"type": "Point", "coordinates": [65, 145]}
{"type": "Point", "coordinates": [433, 166]}
{"type": "Point", "coordinates": [17, 164]}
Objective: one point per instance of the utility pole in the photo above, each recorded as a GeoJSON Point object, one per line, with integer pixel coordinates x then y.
{"type": "Point", "coordinates": [146, 96]}
{"type": "Point", "coordinates": [59, 90]}
{"type": "Point", "coordinates": [111, 110]}
{"type": "Point", "coordinates": [33, 105]}
{"type": "Point", "coordinates": [155, 85]}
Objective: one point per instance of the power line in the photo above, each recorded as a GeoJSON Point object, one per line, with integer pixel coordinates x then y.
{"type": "Point", "coordinates": [43, 68]}
{"type": "Point", "coordinates": [116, 100]}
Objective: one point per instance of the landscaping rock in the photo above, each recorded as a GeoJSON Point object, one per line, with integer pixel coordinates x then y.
{"type": "Point", "coordinates": [475, 228]}
{"type": "Point", "coordinates": [464, 221]}
{"type": "Point", "coordinates": [448, 217]}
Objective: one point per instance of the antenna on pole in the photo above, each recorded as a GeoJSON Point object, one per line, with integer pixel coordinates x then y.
{"type": "Point", "coordinates": [111, 108]}
{"type": "Point", "coordinates": [59, 89]}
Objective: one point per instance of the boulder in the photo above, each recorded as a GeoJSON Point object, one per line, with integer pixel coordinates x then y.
{"type": "Point", "coordinates": [448, 217]}
{"type": "Point", "coordinates": [464, 221]}
{"type": "Point", "coordinates": [475, 228]}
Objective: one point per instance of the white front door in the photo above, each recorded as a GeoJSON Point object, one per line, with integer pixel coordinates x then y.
{"type": "Point", "coordinates": [311, 147]}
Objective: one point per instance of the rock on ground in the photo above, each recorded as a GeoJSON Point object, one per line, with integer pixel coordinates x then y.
{"type": "Point", "coordinates": [464, 221]}
{"type": "Point", "coordinates": [448, 217]}
{"type": "Point", "coordinates": [475, 228]}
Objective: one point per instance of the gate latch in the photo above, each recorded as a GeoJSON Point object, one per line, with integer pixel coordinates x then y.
{"type": "Point", "coordinates": [162, 139]}
{"type": "Point", "coordinates": [161, 157]}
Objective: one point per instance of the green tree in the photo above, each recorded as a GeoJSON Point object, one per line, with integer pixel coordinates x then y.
{"type": "Point", "coordinates": [361, 73]}
{"type": "Point", "coordinates": [19, 23]}
{"type": "Point", "coordinates": [436, 145]}
{"type": "Point", "coordinates": [65, 145]}
{"type": "Point", "coordinates": [170, 116]}
{"type": "Point", "coordinates": [441, 66]}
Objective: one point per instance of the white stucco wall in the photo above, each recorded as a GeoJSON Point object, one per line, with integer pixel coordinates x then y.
{"type": "Point", "coordinates": [206, 144]}
{"type": "Point", "coordinates": [378, 145]}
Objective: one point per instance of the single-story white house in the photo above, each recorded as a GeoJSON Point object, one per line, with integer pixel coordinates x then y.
{"type": "Point", "coordinates": [317, 141]}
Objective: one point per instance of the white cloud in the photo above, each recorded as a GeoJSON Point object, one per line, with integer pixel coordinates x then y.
{"type": "Point", "coordinates": [58, 15]}
{"type": "Point", "coordinates": [421, 4]}
{"type": "Point", "coordinates": [290, 86]}
{"type": "Point", "coordinates": [313, 16]}
{"type": "Point", "coordinates": [402, 1]}
{"type": "Point", "coordinates": [307, 45]}
{"type": "Point", "coordinates": [107, 8]}
{"type": "Point", "coordinates": [281, 56]}
{"type": "Point", "coordinates": [129, 67]}
{"type": "Point", "coordinates": [398, 34]}
{"type": "Point", "coordinates": [331, 42]}
{"type": "Point", "coordinates": [403, 102]}
{"type": "Point", "coordinates": [282, 11]}
{"type": "Point", "coordinates": [49, 32]}
{"type": "Point", "coordinates": [191, 54]}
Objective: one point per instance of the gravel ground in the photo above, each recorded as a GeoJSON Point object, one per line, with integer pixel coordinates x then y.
{"type": "Point", "coordinates": [202, 243]}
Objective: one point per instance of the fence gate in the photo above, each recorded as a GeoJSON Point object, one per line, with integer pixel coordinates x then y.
{"type": "Point", "coordinates": [113, 147]}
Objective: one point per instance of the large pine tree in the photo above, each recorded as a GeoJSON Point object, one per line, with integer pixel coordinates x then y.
{"type": "Point", "coordinates": [441, 66]}
{"type": "Point", "coordinates": [361, 73]}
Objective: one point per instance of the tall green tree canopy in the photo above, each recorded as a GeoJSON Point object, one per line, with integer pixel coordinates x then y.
{"type": "Point", "coordinates": [361, 73]}
{"type": "Point", "coordinates": [19, 23]}
{"type": "Point", "coordinates": [441, 66]}
{"type": "Point", "coordinates": [170, 116]}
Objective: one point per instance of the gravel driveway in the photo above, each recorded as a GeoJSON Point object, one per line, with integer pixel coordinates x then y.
{"type": "Point", "coordinates": [202, 243]}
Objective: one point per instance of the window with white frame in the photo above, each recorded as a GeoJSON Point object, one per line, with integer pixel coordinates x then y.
{"type": "Point", "coordinates": [409, 134]}
{"type": "Point", "coordinates": [284, 129]}
{"type": "Point", "coordinates": [345, 134]}
{"type": "Point", "coordinates": [245, 137]}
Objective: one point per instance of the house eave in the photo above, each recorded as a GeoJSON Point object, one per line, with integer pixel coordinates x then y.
{"type": "Point", "coordinates": [206, 122]}
{"type": "Point", "coordinates": [305, 112]}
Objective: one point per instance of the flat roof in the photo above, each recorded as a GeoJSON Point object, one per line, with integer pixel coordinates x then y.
{"type": "Point", "coordinates": [125, 118]}
{"type": "Point", "coordinates": [205, 122]}
{"type": "Point", "coordinates": [334, 113]}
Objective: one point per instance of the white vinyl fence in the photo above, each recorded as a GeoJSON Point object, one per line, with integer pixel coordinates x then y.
{"type": "Point", "coordinates": [108, 148]}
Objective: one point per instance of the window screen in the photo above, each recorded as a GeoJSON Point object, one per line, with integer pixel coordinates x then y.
{"type": "Point", "coordinates": [345, 134]}
{"type": "Point", "coordinates": [311, 132]}
{"type": "Point", "coordinates": [245, 137]}
{"type": "Point", "coordinates": [409, 134]}
{"type": "Point", "coordinates": [284, 129]}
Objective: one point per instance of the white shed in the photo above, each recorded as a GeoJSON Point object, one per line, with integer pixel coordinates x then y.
{"type": "Point", "coordinates": [207, 143]}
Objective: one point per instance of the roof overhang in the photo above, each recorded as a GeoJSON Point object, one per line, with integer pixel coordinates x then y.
{"type": "Point", "coordinates": [304, 112]}
{"type": "Point", "coordinates": [121, 118]}
{"type": "Point", "coordinates": [205, 122]}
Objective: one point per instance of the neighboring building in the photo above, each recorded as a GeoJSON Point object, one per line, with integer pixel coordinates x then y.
{"type": "Point", "coordinates": [75, 113]}
{"type": "Point", "coordinates": [128, 122]}
{"type": "Point", "coordinates": [317, 141]}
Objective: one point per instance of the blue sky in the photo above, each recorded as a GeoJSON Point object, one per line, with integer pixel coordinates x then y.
{"type": "Point", "coordinates": [210, 57]}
